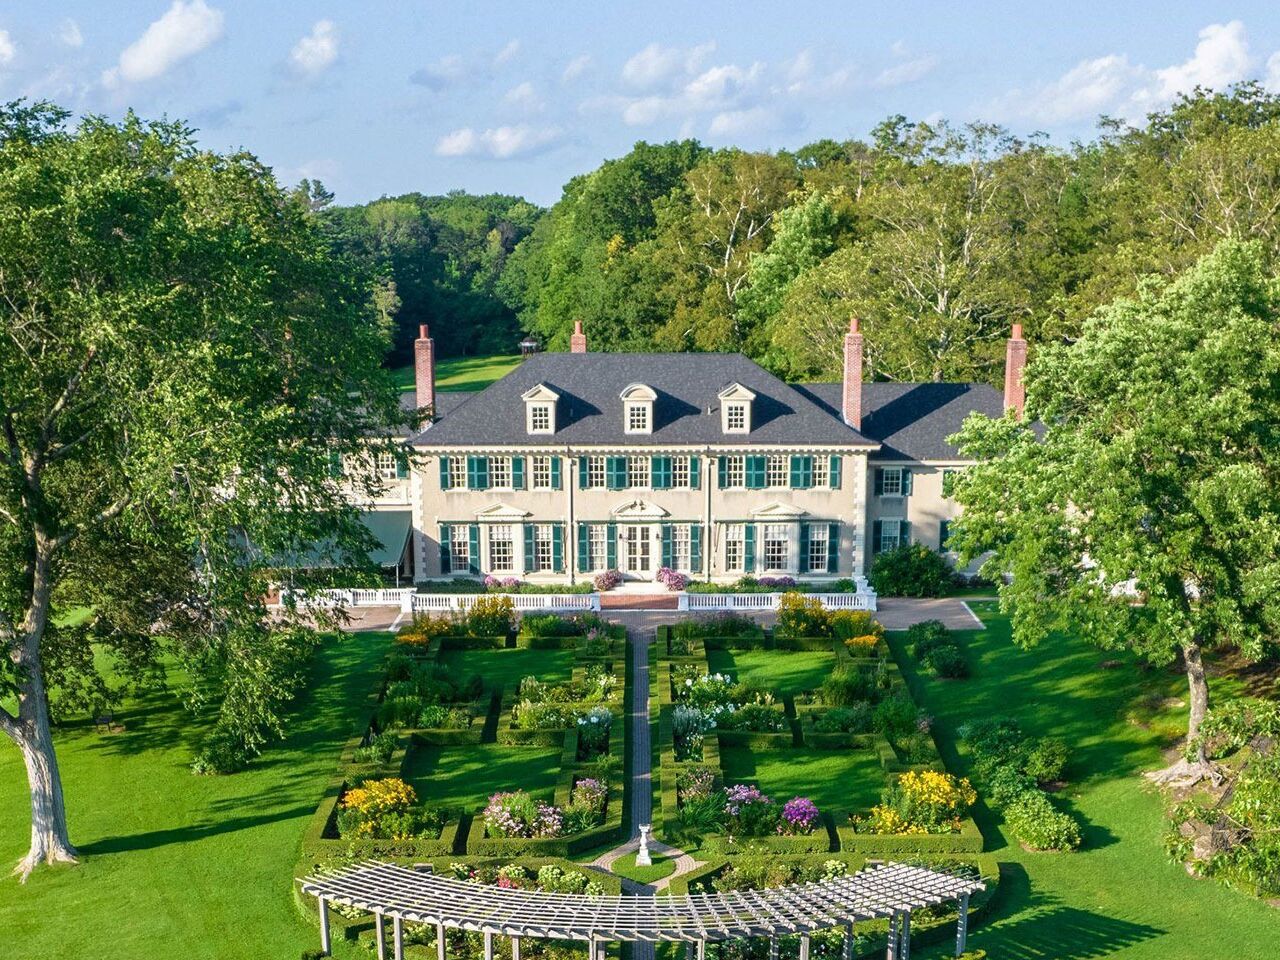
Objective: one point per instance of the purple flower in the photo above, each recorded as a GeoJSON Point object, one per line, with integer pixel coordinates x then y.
{"type": "Point", "coordinates": [799, 815]}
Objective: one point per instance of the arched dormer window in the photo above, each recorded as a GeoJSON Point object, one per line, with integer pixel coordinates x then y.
{"type": "Point", "coordinates": [735, 408]}
{"type": "Point", "coordinates": [540, 409]}
{"type": "Point", "coordinates": [637, 408]}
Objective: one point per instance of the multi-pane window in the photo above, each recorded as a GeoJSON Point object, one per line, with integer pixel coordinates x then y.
{"type": "Point", "coordinates": [540, 418]}
{"type": "Point", "coordinates": [735, 417]}
{"type": "Point", "coordinates": [502, 556]}
{"type": "Point", "coordinates": [891, 482]}
{"type": "Point", "coordinates": [540, 472]}
{"type": "Point", "coordinates": [821, 471]}
{"type": "Point", "coordinates": [637, 471]}
{"type": "Point", "coordinates": [681, 556]}
{"type": "Point", "coordinates": [776, 538]}
{"type": "Point", "coordinates": [680, 473]}
{"type": "Point", "coordinates": [457, 473]}
{"type": "Point", "coordinates": [775, 471]}
{"type": "Point", "coordinates": [597, 546]}
{"type": "Point", "coordinates": [595, 473]}
{"type": "Point", "coordinates": [734, 476]}
{"type": "Point", "coordinates": [500, 472]}
{"type": "Point", "coordinates": [386, 465]}
{"type": "Point", "coordinates": [733, 546]}
{"type": "Point", "coordinates": [542, 549]}
{"type": "Point", "coordinates": [459, 548]}
{"type": "Point", "coordinates": [890, 535]}
{"type": "Point", "coordinates": [637, 418]}
{"type": "Point", "coordinates": [818, 548]}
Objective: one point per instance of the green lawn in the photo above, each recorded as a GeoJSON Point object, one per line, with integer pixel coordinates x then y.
{"type": "Point", "coordinates": [508, 667]}
{"type": "Point", "coordinates": [177, 865]}
{"type": "Point", "coordinates": [1118, 897]}
{"type": "Point", "coordinates": [463, 373]}
{"type": "Point", "coordinates": [626, 867]}
{"type": "Point", "coordinates": [783, 672]}
{"type": "Point", "coordinates": [463, 778]}
{"type": "Point", "coordinates": [838, 781]}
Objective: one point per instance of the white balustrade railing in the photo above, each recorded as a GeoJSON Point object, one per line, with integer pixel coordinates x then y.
{"type": "Point", "coordinates": [863, 599]}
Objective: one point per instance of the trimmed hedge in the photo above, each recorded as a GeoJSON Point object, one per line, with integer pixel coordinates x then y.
{"type": "Point", "coordinates": [898, 845]}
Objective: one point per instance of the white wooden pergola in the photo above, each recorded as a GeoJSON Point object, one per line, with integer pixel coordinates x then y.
{"type": "Point", "coordinates": [402, 894]}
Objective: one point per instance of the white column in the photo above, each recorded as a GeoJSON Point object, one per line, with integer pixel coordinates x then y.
{"type": "Point", "coordinates": [515, 948]}
{"type": "Point", "coordinates": [849, 943]}
{"type": "Point", "coordinates": [440, 941]}
{"type": "Point", "coordinates": [891, 949]}
{"type": "Point", "coordinates": [793, 548]}
{"type": "Point", "coordinates": [488, 946]}
{"type": "Point", "coordinates": [804, 946]}
{"type": "Point", "coordinates": [397, 938]}
{"type": "Point", "coordinates": [962, 925]}
{"type": "Point", "coordinates": [325, 943]}
{"type": "Point", "coordinates": [380, 935]}
{"type": "Point", "coordinates": [702, 950]}
{"type": "Point", "coordinates": [904, 937]}
{"type": "Point", "coordinates": [773, 948]}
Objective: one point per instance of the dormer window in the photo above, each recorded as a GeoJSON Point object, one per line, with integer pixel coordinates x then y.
{"type": "Point", "coordinates": [637, 408]}
{"type": "Point", "coordinates": [540, 409]}
{"type": "Point", "coordinates": [735, 408]}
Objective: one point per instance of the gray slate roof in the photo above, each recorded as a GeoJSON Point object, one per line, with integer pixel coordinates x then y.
{"type": "Point", "coordinates": [912, 421]}
{"type": "Point", "coordinates": [590, 408]}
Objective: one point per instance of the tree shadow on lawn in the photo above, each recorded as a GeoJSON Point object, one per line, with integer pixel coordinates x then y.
{"type": "Point", "coordinates": [188, 834]}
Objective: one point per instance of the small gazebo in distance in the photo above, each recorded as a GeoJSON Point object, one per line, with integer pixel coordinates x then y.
{"type": "Point", "coordinates": [529, 345]}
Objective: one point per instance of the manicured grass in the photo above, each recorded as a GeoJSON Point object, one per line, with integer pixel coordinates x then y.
{"type": "Point", "coordinates": [463, 778]}
{"type": "Point", "coordinates": [626, 867]}
{"type": "Point", "coordinates": [508, 667]}
{"type": "Point", "coordinates": [463, 373]}
{"type": "Point", "coordinates": [177, 865]}
{"type": "Point", "coordinates": [782, 672]}
{"type": "Point", "coordinates": [1118, 897]}
{"type": "Point", "coordinates": [838, 781]}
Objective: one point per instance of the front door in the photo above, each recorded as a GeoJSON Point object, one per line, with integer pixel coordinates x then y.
{"type": "Point", "coordinates": [637, 551]}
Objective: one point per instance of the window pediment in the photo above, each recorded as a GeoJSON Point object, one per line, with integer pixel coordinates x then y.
{"type": "Point", "coordinates": [777, 510]}
{"type": "Point", "coordinates": [500, 512]}
{"type": "Point", "coordinates": [638, 510]}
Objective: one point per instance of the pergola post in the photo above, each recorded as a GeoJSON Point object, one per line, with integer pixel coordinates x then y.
{"type": "Point", "coordinates": [380, 935]}
{"type": "Point", "coordinates": [326, 944]}
{"type": "Point", "coordinates": [515, 948]}
{"type": "Point", "coordinates": [773, 948]}
{"type": "Point", "coordinates": [488, 946]}
{"type": "Point", "coordinates": [439, 941]}
{"type": "Point", "coordinates": [850, 942]}
{"type": "Point", "coordinates": [702, 950]}
{"type": "Point", "coordinates": [904, 937]}
{"type": "Point", "coordinates": [891, 950]}
{"type": "Point", "coordinates": [962, 925]}
{"type": "Point", "coordinates": [397, 937]}
{"type": "Point", "coordinates": [804, 946]}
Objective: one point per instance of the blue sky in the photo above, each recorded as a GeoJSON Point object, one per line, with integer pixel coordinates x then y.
{"type": "Point", "coordinates": [381, 98]}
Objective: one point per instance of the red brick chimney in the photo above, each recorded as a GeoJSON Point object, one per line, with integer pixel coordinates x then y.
{"type": "Point", "coordinates": [578, 342]}
{"type": "Point", "coordinates": [424, 368]}
{"type": "Point", "coordinates": [1015, 359]}
{"type": "Point", "coordinates": [852, 406]}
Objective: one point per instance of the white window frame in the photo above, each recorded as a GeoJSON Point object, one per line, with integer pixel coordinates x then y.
{"type": "Point", "coordinates": [595, 473]}
{"type": "Point", "coordinates": [457, 473]}
{"type": "Point", "coordinates": [638, 476]}
{"type": "Point", "coordinates": [819, 536]}
{"type": "Point", "coordinates": [777, 471]}
{"type": "Point", "coordinates": [735, 546]}
{"type": "Point", "coordinates": [639, 416]}
{"type": "Point", "coordinates": [543, 549]}
{"type": "Point", "coordinates": [887, 542]}
{"type": "Point", "coordinates": [821, 470]}
{"type": "Point", "coordinates": [681, 547]}
{"type": "Point", "coordinates": [459, 548]}
{"type": "Point", "coordinates": [773, 535]}
{"type": "Point", "coordinates": [385, 465]}
{"type": "Point", "coordinates": [500, 473]}
{"type": "Point", "coordinates": [735, 472]}
{"type": "Point", "coordinates": [542, 417]}
{"type": "Point", "coordinates": [501, 534]}
{"type": "Point", "coordinates": [680, 473]}
{"type": "Point", "coordinates": [737, 417]}
{"type": "Point", "coordinates": [896, 474]}
{"type": "Point", "coordinates": [597, 546]}
{"type": "Point", "coordinates": [540, 472]}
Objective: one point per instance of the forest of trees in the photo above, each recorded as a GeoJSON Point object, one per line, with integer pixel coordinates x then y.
{"type": "Point", "coordinates": [937, 236]}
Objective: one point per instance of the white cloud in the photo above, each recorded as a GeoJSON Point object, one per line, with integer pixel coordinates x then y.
{"type": "Point", "coordinates": [507, 52]}
{"type": "Point", "coordinates": [7, 50]}
{"type": "Point", "coordinates": [524, 96]}
{"type": "Point", "coordinates": [184, 30]}
{"type": "Point", "coordinates": [442, 74]}
{"type": "Point", "coordinates": [69, 33]}
{"type": "Point", "coordinates": [316, 52]}
{"type": "Point", "coordinates": [1089, 88]}
{"type": "Point", "coordinates": [498, 143]}
{"type": "Point", "coordinates": [1273, 72]}
{"type": "Point", "coordinates": [576, 68]}
{"type": "Point", "coordinates": [908, 71]}
{"type": "Point", "coordinates": [657, 66]}
{"type": "Point", "coordinates": [738, 123]}
{"type": "Point", "coordinates": [1221, 58]}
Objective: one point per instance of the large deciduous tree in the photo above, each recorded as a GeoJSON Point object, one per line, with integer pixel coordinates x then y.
{"type": "Point", "coordinates": [180, 359]}
{"type": "Point", "coordinates": [1147, 515]}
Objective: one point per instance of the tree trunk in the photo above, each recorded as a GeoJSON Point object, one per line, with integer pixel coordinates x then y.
{"type": "Point", "coordinates": [1198, 689]}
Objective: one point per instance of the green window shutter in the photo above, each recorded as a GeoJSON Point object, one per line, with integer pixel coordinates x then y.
{"type": "Point", "coordinates": [803, 565]}
{"type": "Point", "coordinates": [755, 470]}
{"type": "Point", "coordinates": [557, 547]}
{"type": "Point", "coordinates": [555, 473]}
{"type": "Point", "coordinates": [335, 463]}
{"type": "Point", "coordinates": [797, 472]}
{"type": "Point", "coordinates": [530, 549]}
{"type": "Point", "coordinates": [806, 472]}
{"type": "Point", "coordinates": [582, 473]}
{"type": "Point", "coordinates": [906, 482]}
{"type": "Point", "coordinates": [722, 471]}
{"type": "Point", "coordinates": [668, 546]}
{"type": "Point", "coordinates": [478, 473]}
{"type": "Point", "coordinates": [517, 473]}
{"type": "Point", "coordinates": [402, 465]}
{"type": "Point", "coordinates": [611, 547]}
{"type": "Point", "coordinates": [584, 547]}
{"type": "Point", "coordinates": [444, 473]}
{"type": "Point", "coordinates": [833, 547]}
{"type": "Point", "coordinates": [833, 471]}
{"type": "Point", "coordinates": [695, 473]}
{"type": "Point", "coordinates": [446, 561]}
{"type": "Point", "coordinates": [879, 483]}
{"type": "Point", "coordinates": [944, 533]}
{"type": "Point", "coordinates": [695, 548]}
{"type": "Point", "coordinates": [874, 546]}
{"type": "Point", "coordinates": [660, 472]}
{"type": "Point", "coordinates": [615, 470]}
{"type": "Point", "coordinates": [473, 549]}
{"type": "Point", "coordinates": [749, 548]}
{"type": "Point", "coordinates": [904, 532]}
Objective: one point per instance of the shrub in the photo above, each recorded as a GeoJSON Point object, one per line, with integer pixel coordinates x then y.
{"type": "Point", "coordinates": [378, 750]}
{"type": "Point", "coordinates": [424, 628]}
{"type": "Point", "coordinates": [897, 717]}
{"type": "Point", "coordinates": [593, 732]}
{"type": "Point", "coordinates": [749, 813]}
{"type": "Point", "coordinates": [911, 570]}
{"type": "Point", "coordinates": [695, 783]}
{"type": "Point", "coordinates": [1037, 823]}
{"type": "Point", "coordinates": [543, 716]}
{"type": "Point", "coordinates": [607, 580]}
{"type": "Point", "coordinates": [596, 642]}
{"type": "Point", "coordinates": [586, 805]}
{"type": "Point", "coordinates": [704, 690]}
{"type": "Point", "coordinates": [223, 753]}
{"type": "Point", "coordinates": [849, 625]}
{"type": "Point", "coordinates": [703, 815]}
{"type": "Point", "coordinates": [437, 716]}
{"type": "Point", "coordinates": [754, 717]}
{"type": "Point", "coordinates": [516, 814]}
{"type": "Point", "coordinates": [863, 646]}
{"type": "Point", "coordinates": [799, 816]}
{"type": "Point", "coordinates": [948, 662]}
{"type": "Point", "coordinates": [855, 718]}
{"type": "Point", "coordinates": [1047, 760]}
{"type": "Point", "coordinates": [674, 580]}
{"type": "Point", "coordinates": [726, 625]}
{"type": "Point", "coordinates": [385, 810]}
{"type": "Point", "coordinates": [924, 637]}
{"type": "Point", "coordinates": [801, 616]}
{"type": "Point", "coordinates": [688, 726]}
{"type": "Point", "coordinates": [920, 802]}
{"type": "Point", "coordinates": [849, 685]}
{"type": "Point", "coordinates": [491, 616]}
